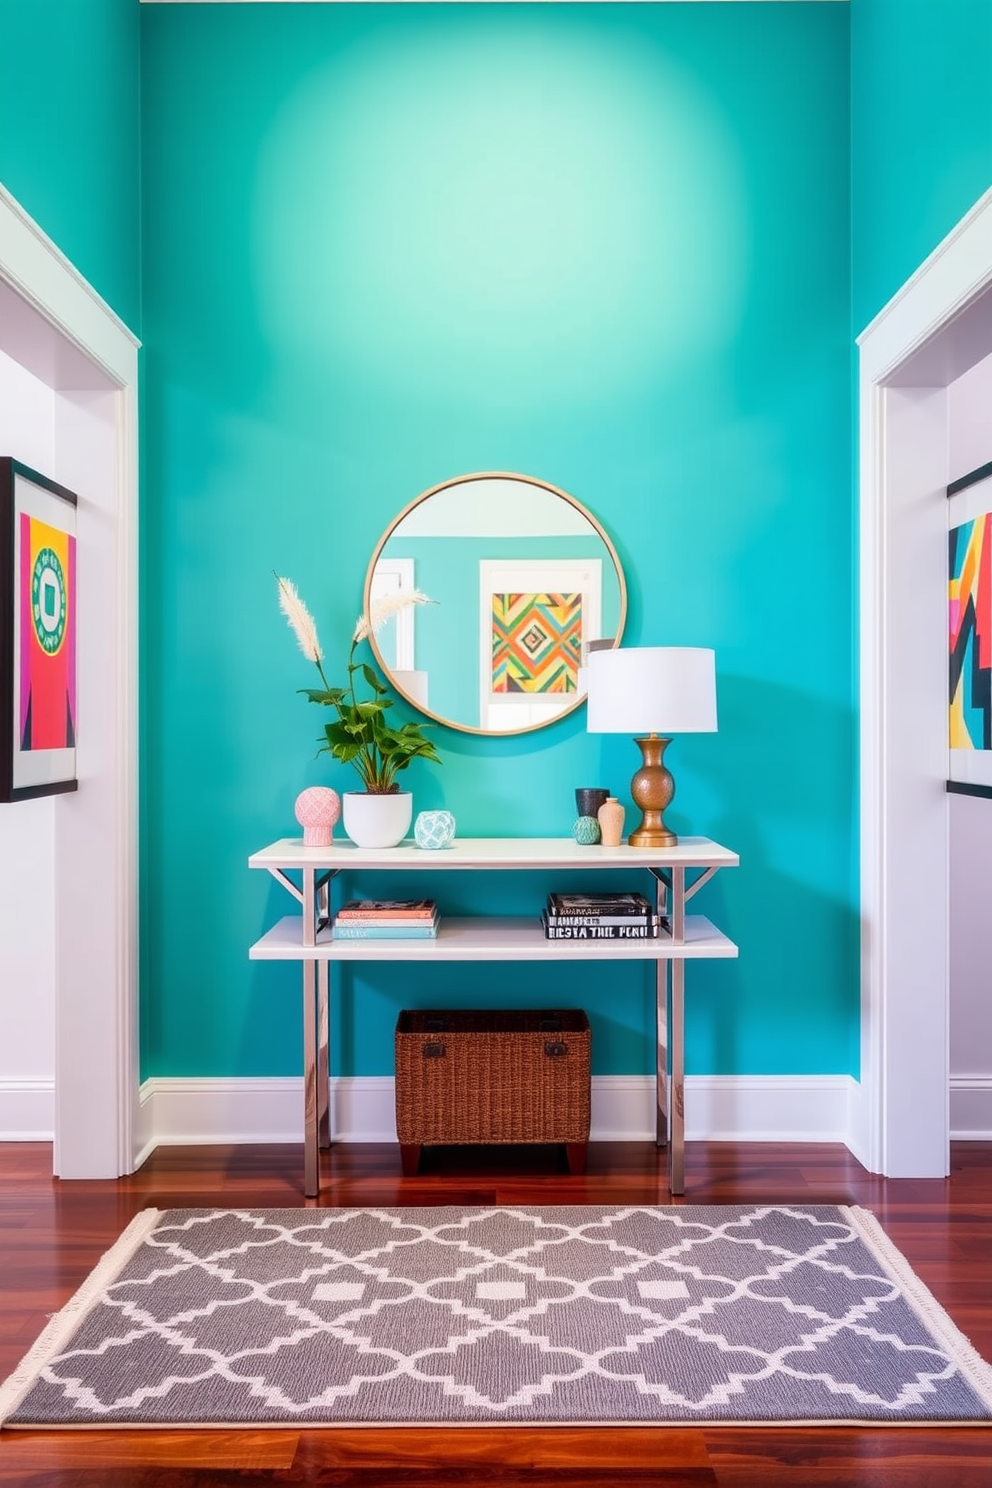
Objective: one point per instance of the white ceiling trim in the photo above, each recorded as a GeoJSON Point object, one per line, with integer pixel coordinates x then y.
{"type": "Point", "coordinates": [487, 2]}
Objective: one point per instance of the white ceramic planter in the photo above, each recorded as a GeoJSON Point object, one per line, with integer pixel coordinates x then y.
{"type": "Point", "coordinates": [377, 821]}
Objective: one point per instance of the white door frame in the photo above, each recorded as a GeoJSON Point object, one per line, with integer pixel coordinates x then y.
{"type": "Point", "coordinates": [932, 330]}
{"type": "Point", "coordinates": [78, 345]}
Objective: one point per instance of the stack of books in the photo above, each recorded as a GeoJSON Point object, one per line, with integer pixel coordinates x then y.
{"type": "Point", "coordinates": [386, 919]}
{"type": "Point", "coordinates": [599, 917]}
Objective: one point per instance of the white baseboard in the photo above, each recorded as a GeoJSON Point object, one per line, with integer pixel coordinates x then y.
{"type": "Point", "coordinates": [191, 1112]}
{"type": "Point", "coordinates": [734, 1108]}
{"type": "Point", "coordinates": [741, 1108]}
{"type": "Point", "coordinates": [768, 1108]}
{"type": "Point", "coordinates": [971, 1108]}
{"type": "Point", "coordinates": [858, 1140]}
{"type": "Point", "coordinates": [27, 1110]}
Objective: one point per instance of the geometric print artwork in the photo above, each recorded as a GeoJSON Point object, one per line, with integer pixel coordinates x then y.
{"type": "Point", "coordinates": [970, 634]}
{"type": "Point", "coordinates": [47, 701]}
{"type": "Point", "coordinates": [586, 1314]}
{"type": "Point", "coordinates": [536, 642]}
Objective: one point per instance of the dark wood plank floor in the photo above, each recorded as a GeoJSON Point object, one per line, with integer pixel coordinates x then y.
{"type": "Point", "coordinates": [52, 1232]}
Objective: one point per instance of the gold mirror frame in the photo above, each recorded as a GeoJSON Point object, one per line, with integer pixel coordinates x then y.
{"type": "Point", "coordinates": [489, 475]}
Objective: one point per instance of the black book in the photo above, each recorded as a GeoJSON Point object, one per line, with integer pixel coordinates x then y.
{"type": "Point", "coordinates": [599, 904]}
{"type": "Point", "coordinates": [632, 931]}
{"type": "Point", "coordinates": [598, 919]}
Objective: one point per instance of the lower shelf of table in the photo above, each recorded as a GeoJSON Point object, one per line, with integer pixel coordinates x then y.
{"type": "Point", "coordinates": [489, 939]}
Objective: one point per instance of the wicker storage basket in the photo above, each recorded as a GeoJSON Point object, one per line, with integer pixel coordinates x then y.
{"type": "Point", "coordinates": [517, 1076]}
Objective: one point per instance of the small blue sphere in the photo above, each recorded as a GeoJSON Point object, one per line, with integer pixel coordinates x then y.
{"type": "Point", "coordinates": [586, 831]}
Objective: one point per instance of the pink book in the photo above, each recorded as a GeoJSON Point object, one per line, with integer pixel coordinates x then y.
{"type": "Point", "coordinates": [393, 909]}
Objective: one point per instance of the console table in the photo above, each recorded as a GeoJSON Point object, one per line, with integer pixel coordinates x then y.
{"type": "Point", "coordinates": [678, 873]}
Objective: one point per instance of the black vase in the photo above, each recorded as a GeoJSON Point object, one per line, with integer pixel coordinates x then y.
{"type": "Point", "coordinates": [588, 799]}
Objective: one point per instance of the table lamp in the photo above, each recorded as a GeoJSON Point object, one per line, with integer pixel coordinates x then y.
{"type": "Point", "coordinates": [652, 692]}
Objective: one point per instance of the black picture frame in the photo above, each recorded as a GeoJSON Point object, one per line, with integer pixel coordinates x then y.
{"type": "Point", "coordinates": [31, 506]}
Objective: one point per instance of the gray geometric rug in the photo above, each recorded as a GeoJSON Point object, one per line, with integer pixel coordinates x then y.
{"type": "Point", "coordinates": [773, 1313]}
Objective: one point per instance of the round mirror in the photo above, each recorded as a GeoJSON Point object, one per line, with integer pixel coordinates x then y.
{"type": "Point", "coordinates": [523, 582]}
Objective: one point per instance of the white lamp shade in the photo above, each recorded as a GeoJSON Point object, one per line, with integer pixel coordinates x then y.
{"type": "Point", "coordinates": [652, 690]}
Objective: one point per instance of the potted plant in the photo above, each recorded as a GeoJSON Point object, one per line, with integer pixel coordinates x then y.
{"type": "Point", "coordinates": [361, 735]}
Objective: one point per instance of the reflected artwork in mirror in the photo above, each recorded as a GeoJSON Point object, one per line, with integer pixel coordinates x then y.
{"type": "Point", "coordinates": [523, 580]}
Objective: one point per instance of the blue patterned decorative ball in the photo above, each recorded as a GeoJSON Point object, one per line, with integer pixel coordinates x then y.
{"type": "Point", "coordinates": [586, 831]}
{"type": "Point", "coordinates": [434, 829]}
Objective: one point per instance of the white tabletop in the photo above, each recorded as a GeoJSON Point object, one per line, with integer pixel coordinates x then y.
{"type": "Point", "coordinates": [493, 852]}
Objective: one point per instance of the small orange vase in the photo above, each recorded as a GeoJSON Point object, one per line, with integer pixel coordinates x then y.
{"type": "Point", "coordinates": [610, 816]}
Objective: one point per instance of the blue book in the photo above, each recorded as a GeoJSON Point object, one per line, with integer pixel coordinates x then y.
{"type": "Point", "coordinates": [383, 932]}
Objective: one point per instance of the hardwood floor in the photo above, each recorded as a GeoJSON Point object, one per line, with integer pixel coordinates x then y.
{"type": "Point", "coordinates": [52, 1232]}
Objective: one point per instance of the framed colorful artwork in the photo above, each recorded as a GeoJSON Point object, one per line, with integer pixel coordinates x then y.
{"type": "Point", "coordinates": [970, 633]}
{"type": "Point", "coordinates": [536, 616]}
{"type": "Point", "coordinates": [38, 638]}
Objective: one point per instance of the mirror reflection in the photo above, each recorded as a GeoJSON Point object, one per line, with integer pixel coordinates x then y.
{"type": "Point", "coordinates": [523, 579]}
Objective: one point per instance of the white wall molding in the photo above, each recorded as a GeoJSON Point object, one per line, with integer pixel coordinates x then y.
{"type": "Point", "coordinates": [971, 1108]}
{"type": "Point", "coordinates": [27, 1110]}
{"type": "Point", "coordinates": [768, 1108]}
{"type": "Point", "coordinates": [945, 283]}
{"type": "Point", "coordinates": [414, 2]}
{"type": "Point", "coordinates": [743, 1108]}
{"type": "Point", "coordinates": [936, 326]}
{"type": "Point", "coordinates": [41, 274]}
{"type": "Point", "coordinates": [55, 325]}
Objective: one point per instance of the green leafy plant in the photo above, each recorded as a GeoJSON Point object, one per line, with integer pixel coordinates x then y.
{"type": "Point", "coordinates": [361, 734]}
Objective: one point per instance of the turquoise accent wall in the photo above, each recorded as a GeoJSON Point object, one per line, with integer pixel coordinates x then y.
{"type": "Point", "coordinates": [922, 134]}
{"type": "Point", "coordinates": [604, 245]}
{"type": "Point", "coordinates": [69, 146]}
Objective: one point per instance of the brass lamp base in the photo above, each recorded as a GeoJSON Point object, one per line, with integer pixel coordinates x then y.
{"type": "Point", "coordinates": [652, 788]}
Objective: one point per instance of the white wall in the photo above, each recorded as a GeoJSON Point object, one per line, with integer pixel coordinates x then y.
{"type": "Point", "coordinates": [969, 446]}
{"type": "Point", "coordinates": [969, 420]}
{"type": "Point", "coordinates": [27, 845]}
{"type": "Point", "coordinates": [69, 437]}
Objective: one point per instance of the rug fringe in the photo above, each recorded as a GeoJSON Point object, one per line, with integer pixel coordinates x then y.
{"type": "Point", "coordinates": [976, 1370]}
{"type": "Point", "coordinates": [64, 1323]}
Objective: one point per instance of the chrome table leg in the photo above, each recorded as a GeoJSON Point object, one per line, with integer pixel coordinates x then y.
{"type": "Point", "coordinates": [663, 1025]}
{"type": "Point", "coordinates": [676, 1135]}
{"type": "Point", "coordinates": [311, 1156]}
{"type": "Point", "coordinates": [323, 1054]}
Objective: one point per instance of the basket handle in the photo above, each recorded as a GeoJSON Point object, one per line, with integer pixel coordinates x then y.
{"type": "Point", "coordinates": [433, 1051]}
{"type": "Point", "coordinates": [555, 1050]}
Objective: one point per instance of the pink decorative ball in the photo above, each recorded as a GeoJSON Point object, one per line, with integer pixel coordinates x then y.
{"type": "Point", "coordinates": [317, 809]}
